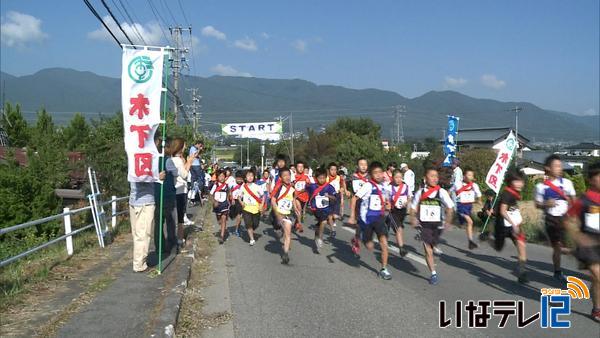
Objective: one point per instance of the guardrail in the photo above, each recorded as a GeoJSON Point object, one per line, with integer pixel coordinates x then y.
{"type": "Point", "coordinates": [68, 236]}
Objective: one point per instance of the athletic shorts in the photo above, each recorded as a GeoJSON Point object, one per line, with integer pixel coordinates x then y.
{"type": "Point", "coordinates": [181, 201]}
{"type": "Point", "coordinates": [377, 227]}
{"type": "Point", "coordinates": [555, 228]}
{"type": "Point", "coordinates": [320, 215]}
{"type": "Point", "coordinates": [430, 234]}
{"type": "Point", "coordinates": [235, 209]}
{"type": "Point", "coordinates": [589, 255]}
{"type": "Point", "coordinates": [463, 209]}
{"type": "Point", "coordinates": [222, 208]}
{"type": "Point", "coordinates": [251, 220]}
{"type": "Point", "coordinates": [396, 219]}
{"type": "Point", "coordinates": [336, 206]}
{"type": "Point", "coordinates": [501, 233]}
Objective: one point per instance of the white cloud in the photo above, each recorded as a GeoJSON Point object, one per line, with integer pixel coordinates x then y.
{"type": "Point", "coordinates": [300, 45]}
{"type": "Point", "coordinates": [150, 32]}
{"type": "Point", "coordinates": [490, 80]}
{"type": "Point", "coordinates": [226, 70]}
{"type": "Point", "coordinates": [246, 44]}
{"type": "Point", "coordinates": [212, 32]}
{"type": "Point", "coordinates": [19, 29]}
{"type": "Point", "coordinates": [454, 82]}
{"type": "Point", "coordinates": [265, 35]}
{"type": "Point", "coordinates": [590, 112]}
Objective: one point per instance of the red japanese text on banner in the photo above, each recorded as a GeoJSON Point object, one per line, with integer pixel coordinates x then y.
{"type": "Point", "coordinates": [495, 176]}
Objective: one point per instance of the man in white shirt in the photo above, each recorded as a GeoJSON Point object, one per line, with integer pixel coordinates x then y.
{"type": "Point", "coordinates": [408, 177]}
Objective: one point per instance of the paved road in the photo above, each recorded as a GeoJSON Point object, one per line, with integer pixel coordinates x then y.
{"type": "Point", "coordinates": [335, 294]}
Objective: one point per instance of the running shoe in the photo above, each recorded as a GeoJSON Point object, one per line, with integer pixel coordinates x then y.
{"type": "Point", "coordinates": [523, 279]}
{"type": "Point", "coordinates": [385, 274]}
{"type": "Point", "coordinates": [333, 234]}
{"type": "Point", "coordinates": [559, 276]}
{"type": "Point", "coordinates": [403, 251]}
{"type": "Point", "coordinates": [355, 246]}
{"type": "Point", "coordinates": [596, 315]}
{"type": "Point", "coordinates": [473, 245]}
{"type": "Point", "coordinates": [221, 241]}
{"type": "Point", "coordinates": [437, 250]}
{"type": "Point", "coordinates": [285, 258]}
{"type": "Point", "coordinates": [434, 280]}
{"type": "Point", "coordinates": [252, 242]}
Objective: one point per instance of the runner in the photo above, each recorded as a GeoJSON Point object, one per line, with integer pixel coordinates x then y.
{"type": "Point", "coordinates": [235, 211]}
{"type": "Point", "coordinates": [400, 196]}
{"type": "Point", "coordinates": [283, 201]}
{"type": "Point", "coordinates": [466, 194]}
{"type": "Point", "coordinates": [375, 200]}
{"type": "Point", "coordinates": [301, 181]}
{"type": "Point", "coordinates": [428, 208]}
{"type": "Point", "coordinates": [509, 220]}
{"type": "Point", "coordinates": [359, 178]}
{"type": "Point", "coordinates": [584, 229]}
{"type": "Point", "coordinates": [252, 200]}
{"type": "Point", "coordinates": [322, 196]}
{"type": "Point", "coordinates": [339, 185]}
{"type": "Point", "coordinates": [554, 196]}
{"type": "Point", "coordinates": [219, 196]}
{"type": "Point", "coordinates": [408, 176]}
{"type": "Point", "coordinates": [388, 177]}
{"type": "Point", "coordinates": [263, 182]}
{"type": "Point", "coordinates": [229, 178]}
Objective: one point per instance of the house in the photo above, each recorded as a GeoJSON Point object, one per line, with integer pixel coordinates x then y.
{"type": "Point", "coordinates": [19, 155]}
{"type": "Point", "coordinates": [584, 149]}
{"type": "Point", "coordinates": [486, 138]}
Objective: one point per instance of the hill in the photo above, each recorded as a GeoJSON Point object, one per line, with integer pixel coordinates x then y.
{"type": "Point", "coordinates": [242, 99]}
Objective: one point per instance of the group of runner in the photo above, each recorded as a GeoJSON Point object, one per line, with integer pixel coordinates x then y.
{"type": "Point", "coordinates": [381, 198]}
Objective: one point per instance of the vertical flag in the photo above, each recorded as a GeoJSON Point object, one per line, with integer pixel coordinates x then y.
{"type": "Point", "coordinates": [450, 141]}
{"type": "Point", "coordinates": [141, 85]}
{"type": "Point", "coordinates": [495, 176]}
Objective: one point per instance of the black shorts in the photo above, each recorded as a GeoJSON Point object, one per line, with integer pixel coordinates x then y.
{"type": "Point", "coordinates": [181, 201]}
{"type": "Point", "coordinates": [430, 234]}
{"type": "Point", "coordinates": [589, 255]}
{"type": "Point", "coordinates": [555, 228]}
{"type": "Point", "coordinates": [377, 227]}
{"type": "Point", "coordinates": [320, 215]}
{"type": "Point", "coordinates": [251, 220]}
{"type": "Point", "coordinates": [502, 232]}
{"type": "Point", "coordinates": [336, 206]}
{"type": "Point", "coordinates": [396, 219]}
{"type": "Point", "coordinates": [235, 209]}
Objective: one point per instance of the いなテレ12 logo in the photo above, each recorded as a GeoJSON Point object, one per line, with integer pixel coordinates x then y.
{"type": "Point", "coordinates": [555, 303]}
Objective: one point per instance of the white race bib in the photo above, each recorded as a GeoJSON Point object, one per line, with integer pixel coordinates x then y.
{"type": "Point", "coordinates": [300, 185]}
{"type": "Point", "coordinates": [249, 200]}
{"type": "Point", "coordinates": [357, 184]}
{"type": "Point", "coordinates": [467, 196]}
{"type": "Point", "coordinates": [322, 202]}
{"type": "Point", "coordinates": [430, 213]}
{"type": "Point", "coordinates": [592, 222]}
{"type": "Point", "coordinates": [560, 208]}
{"type": "Point", "coordinates": [220, 196]}
{"type": "Point", "coordinates": [375, 203]}
{"type": "Point", "coordinates": [236, 194]}
{"type": "Point", "coordinates": [401, 202]}
{"type": "Point", "coordinates": [284, 205]}
{"type": "Point", "coordinates": [335, 184]}
{"type": "Point", "coordinates": [515, 216]}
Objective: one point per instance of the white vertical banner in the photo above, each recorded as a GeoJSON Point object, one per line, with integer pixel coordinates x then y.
{"type": "Point", "coordinates": [495, 176]}
{"type": "Point", "coordinates": [141, 88]}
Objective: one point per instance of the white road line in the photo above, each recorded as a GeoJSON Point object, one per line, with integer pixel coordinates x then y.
{"type": "Point", "coordinates": [395, 250]}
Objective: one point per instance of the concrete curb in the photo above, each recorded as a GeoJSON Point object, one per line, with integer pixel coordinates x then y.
{"type": "Point", "coordinates": [217, 296]}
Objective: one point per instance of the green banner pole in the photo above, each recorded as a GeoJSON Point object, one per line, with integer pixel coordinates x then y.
{"type": "Point", "coordinates": [161, 168]}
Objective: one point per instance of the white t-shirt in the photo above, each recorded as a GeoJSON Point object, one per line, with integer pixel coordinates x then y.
{"type": "Point", "coordinates": [443, 196]}
{"type": "Point", "coordinates": [562, 206]}
{"type": "Point", "coordinates": [409, 179]}
{"type": "Point", "coordinates": [181, 181]}
{"type": "Point", "coordinates": [230, 181]}
{"type": "Point", "coordinates": [468, 196]}
{"type": "Point", "coordinates": [457, 177]}
{"type": "Point", "coordinates": [371, 201]}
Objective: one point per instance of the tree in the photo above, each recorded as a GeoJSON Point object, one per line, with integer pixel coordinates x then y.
{"type": "Point", "coordinates": [15, 126]}
{"type": "Point", "coordinates": [76, 133]}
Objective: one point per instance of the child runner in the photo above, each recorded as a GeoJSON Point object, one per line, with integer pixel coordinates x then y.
{"type": "Point", "coordinates": [359, 178]}
{"type": "Point", "coordinates": [235, 211]}
{"type": "Point", "coordinates": [219, 196]}
{"type": "Point", "coordinates": [282, 201]}
{"type": "Point", "coordinates": [388, 177]}
{"type": "Point", "coordinates": [339, 185]}
{"type": "Point", "coordinates": [322, 196]}
{"type": "Point", "coordinates": [372, 214]}
{"type": "Point", "coordinates": [584, 228]}
{"type": "Point", "coordinates": [301, 181]}
{"type": "Point", "coordinates": [252, 200]}
{"type": "Point", "coordinates": [229, 178]}
{"type": "Point", "coordinates": [509, 219]}
{"type": "Point", "coordinates": [554, 196]}
{"type": "Point", "coordinates": [429, 207]}
{"type": "Point", "coordinates": [263, 182]}
{"type": "Point", "coordinates": [400, 196]}
{"type": "Point", "coordinates": [466, 194]}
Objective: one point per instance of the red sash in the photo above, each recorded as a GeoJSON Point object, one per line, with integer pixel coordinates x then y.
{"type": "Point", "coordinates": [234, 189]}
{"type": "Point", "coordinates": [556, 189]}
{"type": "Point", "coordinates": [513, 192]}
{"type": "Point", "coordinates": [284, 193]}
{"type": "Point", "coordinates": [220, 187]}
{"type": "Point", "coordinates": [380, 194]}
{"type": "Point", "coordinates": [430, 191]}
{"type": "Point", "coordinates": [388, 176]}
{"type": "Point", "coordinates": [249, 191]}
{"type": "Point", "coordinates": [593, 196]}
{"type": "Point", "coordinates": [318, 190]}
{"type": "Point", "coordinates": [465, 187]}
{"type": "Point", "coordinates": [360, 177]}
{"type": "Point", "coordinates": [398, 193]}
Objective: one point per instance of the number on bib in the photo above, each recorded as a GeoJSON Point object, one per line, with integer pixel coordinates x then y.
{"type": "Point", "coordinates": [467, 196]}
{"type": "Point", "coordinates": [375, 203]}
{"type": "Point", "coordinates": [284, 205]}
{"type": "Point", "coordinates": [220, 196]}
{"type": "Point", "coordinates": [249, 200]}
{"type": "Point", "coordinates": [430, 213]}
{"type": "Point", "coordinates": [322, 202]}
{"type": "Point", "coordinates": [516, 217]}
{"type": "Point", "coordinates": [357, 184]}
{"type": "Point", "coordinates": [592, 222]}
{"type": "Point", "coordinates": [300, 185]}
{"type": "Point", "coordinates": [236, 194]}
{"type": "Point", "coordinates": [401, 202]}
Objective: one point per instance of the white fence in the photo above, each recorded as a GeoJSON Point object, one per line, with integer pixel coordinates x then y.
{"type": "Point", "coordinates": [68, 236]}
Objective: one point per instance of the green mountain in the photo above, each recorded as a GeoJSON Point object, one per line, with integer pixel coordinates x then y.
{"type": "Point", "coordinates": [241, 99]}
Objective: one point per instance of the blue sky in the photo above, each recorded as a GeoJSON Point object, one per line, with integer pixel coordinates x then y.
{"type": "Point", "coordinates": [541, 51]}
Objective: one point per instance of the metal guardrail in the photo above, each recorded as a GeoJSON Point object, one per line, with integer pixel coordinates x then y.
{"type": "Point", "coordinates": [68, 236]}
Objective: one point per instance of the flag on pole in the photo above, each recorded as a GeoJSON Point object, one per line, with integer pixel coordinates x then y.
{"type": "Point", "coordinates": [141, 85]}
{"type": "Point", "coordinates": [495, 175]}
{"type": "Point", "coordinates": [450, 141]}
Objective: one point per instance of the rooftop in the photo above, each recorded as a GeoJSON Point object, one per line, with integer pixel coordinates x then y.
{"type": "Point", "coordinates": [584, 146]}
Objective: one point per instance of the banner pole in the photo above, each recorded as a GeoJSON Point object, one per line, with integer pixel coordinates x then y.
{"type": "Point", "coordinates": [161, 168]}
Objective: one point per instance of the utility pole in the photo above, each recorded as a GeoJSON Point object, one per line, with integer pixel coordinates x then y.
{"type": "Point", "coordinates": [178, 61]}
{"type": "Point", "coordinates": [195, 107]}
{"type": "Point", "coordinates": [292, 136]}
{"type": "Point", "coordinates": [516, 110]}
{"type": "Point", "coordinates": [399, 127]}
{"type": "Point", "coordinates": [248, 154]}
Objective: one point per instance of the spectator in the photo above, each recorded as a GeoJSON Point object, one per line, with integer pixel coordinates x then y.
{"type": "Point", "coordinates": [183, 168]}
{"type": "Point", "coordinates": [141, 216]}
{"type": "Point", "coordinates": [169, 210]}
{"type": "Point", "coordinates": [198, 181]}
{"type": "Point", "coordinates": [408, 177]}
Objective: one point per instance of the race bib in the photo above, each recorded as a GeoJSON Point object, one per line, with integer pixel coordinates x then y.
{"type": "Point", "coordinates": [220, 196]}
{"type": "Point", "coordinates": [592, 222]}
{"type": "Point", "coordinates": [516, 217]}
{"type": "Point", "coordinates": [357, 184]}
{"type": "Point", "coordinates": [560, 208]}
{"type": "Point", "coordinates": [336, 185]}
{"type": "Point", "coordinates": [300, 185]}
{"type": "Point", "coordinates": [284, 205]}
{"type": "Point", "coordinates": [322, 202]}
{"type": "Point", "coordinates": [249, 200]}
{"type": "Point", "coordinates": [467, 196]}
{"type": "Point", "coordinates": [375, 203]}
{"type": "Point", "coordinates": [236, 194]}
{"type": "Point", "coordinates": [430, 213]}
{"type": "Point", "coordinates": [401, 202]}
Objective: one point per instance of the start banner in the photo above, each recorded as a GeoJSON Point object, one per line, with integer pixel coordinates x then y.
{"type": "Point", "coordinates": [252, 130]}
{"type": "Point", "coordinates": [141, 87]}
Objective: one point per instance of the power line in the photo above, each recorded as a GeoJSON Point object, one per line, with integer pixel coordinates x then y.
{"type": "Point", "coordinates": [183, 12]}
{"type": "Point", "coordinates": [159, 19]}
{"type": "Point", "coordinates": [95, 13]}
{"type": "Point", "coordinates": [116, 21]}
{"type": "Point", "coordinates": [164, 4]}
{"type": "Point", "coordinates": [127, 16]}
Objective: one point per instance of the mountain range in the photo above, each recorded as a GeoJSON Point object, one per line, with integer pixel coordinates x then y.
{"type": "Point", "coordinates": [246, 99]}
